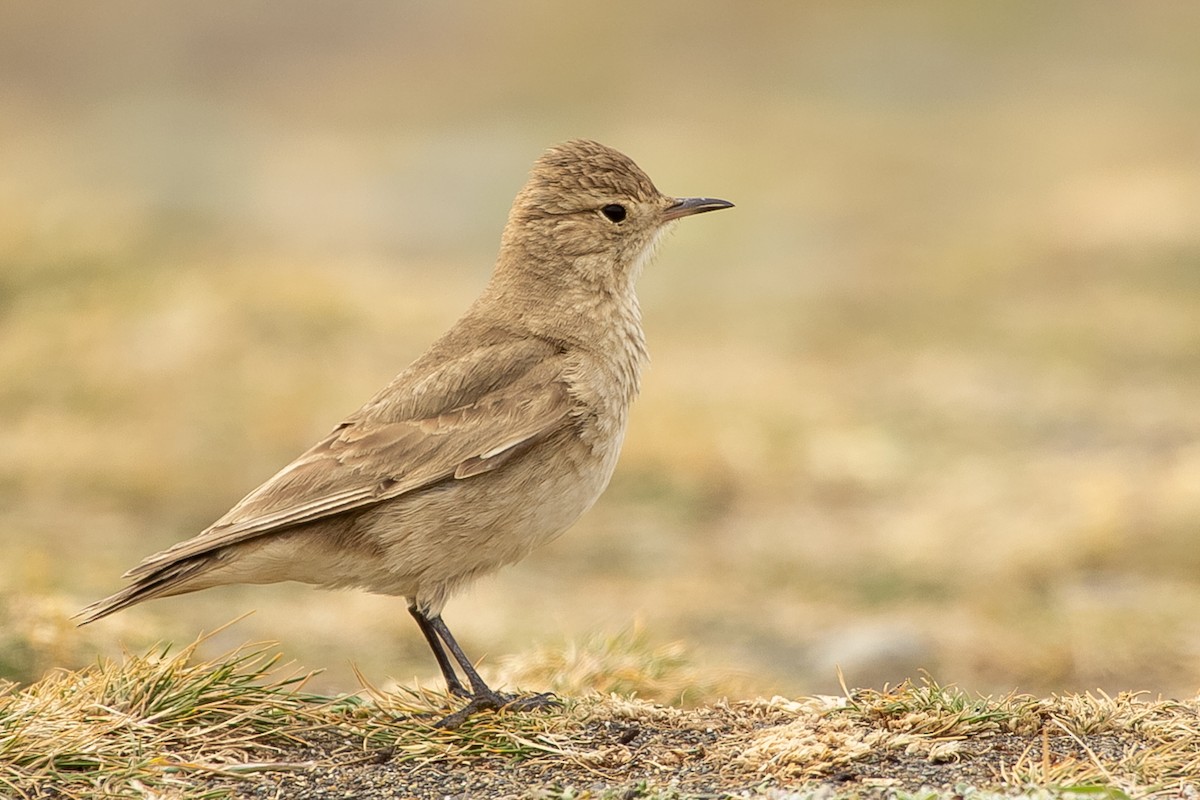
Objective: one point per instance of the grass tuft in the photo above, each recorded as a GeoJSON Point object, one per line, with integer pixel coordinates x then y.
{"type": "Point", "coordinates": [931, 709]}
{"type": "Point", "coordinates": [628, 662]}
{"type": "Point", "coordinates": [147, 721]}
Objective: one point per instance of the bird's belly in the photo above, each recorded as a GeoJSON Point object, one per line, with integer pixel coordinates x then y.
{"type": "Point", "coordinates": [435, 540]}
{"type": "Point", "coordinates": [426, 544]}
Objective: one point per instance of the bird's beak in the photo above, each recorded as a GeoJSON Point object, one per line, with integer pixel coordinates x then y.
{"type": "Point", "coordinates": [686, 206]}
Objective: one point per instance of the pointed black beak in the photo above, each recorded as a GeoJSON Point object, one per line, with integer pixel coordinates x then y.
{"type": "Point", "coordinates": [686, 206]}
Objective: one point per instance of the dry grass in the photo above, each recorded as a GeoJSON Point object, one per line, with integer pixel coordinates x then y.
{"type": "Point", "coordinates": [168, 725]}
{"type": "Point", "coordinates": [627, 663]}
{"type": "Point", "coordinates": [147, 724]}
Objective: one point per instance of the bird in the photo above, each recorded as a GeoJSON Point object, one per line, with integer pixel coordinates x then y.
{"type": "Point", "coordinates": [493, 442]}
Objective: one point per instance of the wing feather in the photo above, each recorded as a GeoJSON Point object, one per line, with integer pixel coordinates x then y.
{"type": "Point", "coordinates": [371, 458]}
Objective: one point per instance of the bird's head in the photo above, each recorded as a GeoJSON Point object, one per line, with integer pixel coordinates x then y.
{"type": "Point", "coordinates": [589, 214]}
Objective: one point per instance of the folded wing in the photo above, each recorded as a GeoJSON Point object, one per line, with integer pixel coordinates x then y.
{"type": "Point", "coordinates": [374, 457]}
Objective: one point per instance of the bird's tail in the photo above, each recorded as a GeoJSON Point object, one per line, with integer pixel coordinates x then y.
{"type": "Point", "coordinates": [168, 580]}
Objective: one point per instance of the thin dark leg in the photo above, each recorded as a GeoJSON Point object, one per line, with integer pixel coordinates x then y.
{"type": "Point", "coordinates": [482, 697]}
{"type": "Point", "coordinates": [478, 687]}
{"type": "Point", "coordinates": [439, 652]}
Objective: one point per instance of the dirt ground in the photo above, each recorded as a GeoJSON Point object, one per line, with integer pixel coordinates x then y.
{"type": "Point", "coordinates": [626, 749]}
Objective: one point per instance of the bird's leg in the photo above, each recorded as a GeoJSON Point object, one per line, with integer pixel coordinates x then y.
{"type": "Point", "coordinates": [480, 692]}
{"type": "Point", "coordinates": [482, 697]}
{"type": "Point", "coordinates": [439, 652]}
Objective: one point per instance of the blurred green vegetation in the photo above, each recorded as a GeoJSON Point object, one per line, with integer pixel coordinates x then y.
{"type": "Point", "coordinates": [929, 398]}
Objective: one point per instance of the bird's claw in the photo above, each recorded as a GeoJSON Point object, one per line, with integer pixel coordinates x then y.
{"type": "Point", "coordinates": [497, 701]}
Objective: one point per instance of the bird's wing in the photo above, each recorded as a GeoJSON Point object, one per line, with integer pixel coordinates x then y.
{"type": "Point", "coordinates": [367, 460]}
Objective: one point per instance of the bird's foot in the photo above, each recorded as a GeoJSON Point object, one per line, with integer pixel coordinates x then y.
{"type": "Point", "coordinates": [532, 702]}
{"type": "Point", "coordinates": [458, 690]}
{"type": "Point", "coordinates": [495, 701]}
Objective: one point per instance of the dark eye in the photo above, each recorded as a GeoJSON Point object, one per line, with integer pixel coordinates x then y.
{"type": "Point", "coordinates": [614, 212]}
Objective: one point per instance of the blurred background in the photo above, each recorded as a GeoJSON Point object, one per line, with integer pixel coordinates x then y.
{"type": "Point", "coordinates": [927, 399]}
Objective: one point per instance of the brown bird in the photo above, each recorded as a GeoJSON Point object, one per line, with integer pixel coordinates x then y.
{"type": "Point", "coordinates": [493, 442]}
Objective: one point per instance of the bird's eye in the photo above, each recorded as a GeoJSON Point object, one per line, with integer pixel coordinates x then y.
{"type": "Point", "coordinates": [614, 212]}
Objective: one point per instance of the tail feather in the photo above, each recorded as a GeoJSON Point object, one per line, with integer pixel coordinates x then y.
{"type": "Point", "coordinates": [164, 582]}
